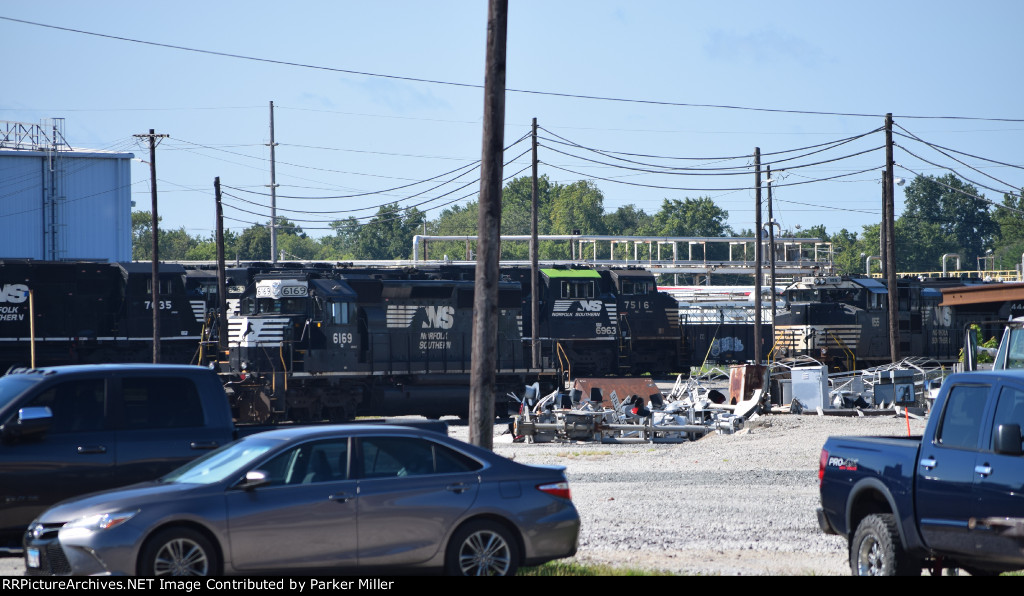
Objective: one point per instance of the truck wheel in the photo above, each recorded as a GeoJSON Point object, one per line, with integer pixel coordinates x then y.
{"type": "Point", "coordinates": [876, 548]}
{"type": "Point", "coordinates": [179, 551]}
{"type": "Point", "coordinates": [481, 547]}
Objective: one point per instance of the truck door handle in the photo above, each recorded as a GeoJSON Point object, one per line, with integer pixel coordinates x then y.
{"type": "Point", "coordinates": [340, 497]}
{"type": "Point", "coordinates": [983, 470]}
{"type": "Point", "coordinates": [928, 463]}
{"type": "Point", "coordinates": [87, 449]}
{"type": "Point", "coordinates": [203, 445]}
{"type": "Point", "coordinates": [457, 488]}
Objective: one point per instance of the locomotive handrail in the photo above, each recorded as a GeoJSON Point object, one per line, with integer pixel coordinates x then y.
{"type": "Point", "coordinates": [567, 364]}
{"type": "Point", "coordinates": [852, 357]}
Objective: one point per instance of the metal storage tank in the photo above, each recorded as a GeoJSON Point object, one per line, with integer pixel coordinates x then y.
{"type": "Point", "coordinates": [59, 202]}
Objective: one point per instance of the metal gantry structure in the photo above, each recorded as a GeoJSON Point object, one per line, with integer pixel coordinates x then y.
{"type": "Point", "coordinates": [792, 257]}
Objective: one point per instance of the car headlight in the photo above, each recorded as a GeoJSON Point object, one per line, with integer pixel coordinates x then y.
{"type": "Point", "coordinates": [96, 523]}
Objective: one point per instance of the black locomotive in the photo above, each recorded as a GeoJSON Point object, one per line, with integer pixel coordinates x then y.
{"type": "Point", "coordinates": [90, 312]}
{"type": "Point", "coordinates": [605, 321]}
{"type": "Point", "coordinates": [844, 322]}
{"type": "Point", "coordinates": [312, 345]}
{"type": "Point", "coordinates": [330, 341]}
{"type": "Point", "coordinates": [315, 343]}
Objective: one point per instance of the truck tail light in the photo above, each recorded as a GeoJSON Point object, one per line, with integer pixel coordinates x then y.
{"type": "Point", "coordinates": [821, 466]}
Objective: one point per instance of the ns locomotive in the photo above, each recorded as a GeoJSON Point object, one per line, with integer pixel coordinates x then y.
{"type": "Point", "coordinates": [332, 343]}
{"type": "Point", "coordinates": [319, 341]}
{"type": "Point", "coordinates": [844, 321]}
{"type": "Point", "coordinates": [88, 312]}
{"type": "Point", "coordinates": [605, 321]}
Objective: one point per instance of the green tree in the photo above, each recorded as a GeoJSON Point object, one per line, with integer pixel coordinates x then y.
{"type": "Point", "coordinates": [628, 220]}
{"type": "Point", "coordinates": [174, 245]}
{"type": "Point", "coordinates": [577, 207]}
{"type": "Point", "coordinates": [254, 244]}
{"type": "Point", "coordinates": [950, 209]}
{"type": "Point", "coordinates": [691, 217]}
{"type": "Point", "coordinates": [389, 234]}
{"type": "Point", "coordinates": [848, 252]}
{"type": "Point", "coordinates": [1010, 219]}
{"type": "Point", "coordinates": [342, 244]}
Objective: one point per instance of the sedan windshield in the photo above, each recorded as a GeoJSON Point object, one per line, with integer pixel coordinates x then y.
{"type": "Point", "coordinates": [225, 462]}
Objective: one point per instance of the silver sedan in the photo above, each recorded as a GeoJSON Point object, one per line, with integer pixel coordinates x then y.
{"type": "Point", "coordinates": [361, 498]}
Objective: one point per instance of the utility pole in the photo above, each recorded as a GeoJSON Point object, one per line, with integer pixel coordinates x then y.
{"type": "Point", "coordinates": [155, 281]}
{"type": "Point", "coordinates": [771, 248]}
{"type": "Point", "coordinates": [883, 229]}
{"type": "Point", "coordinates": [482, 379]}
{"type": "Point", "coordinates": [757, 255]}
{"type": "Point", "coordinates": [222, 298]}
{"type": "Point", "coordinates": [890, 246]}
{"type": "Point", "coordinates": [534, 267]}
{"type": "Point", "coordinates": [273, 192]}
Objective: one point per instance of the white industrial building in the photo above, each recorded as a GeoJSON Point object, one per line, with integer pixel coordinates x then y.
{"type": "Point", "coordinates": [59, 202]}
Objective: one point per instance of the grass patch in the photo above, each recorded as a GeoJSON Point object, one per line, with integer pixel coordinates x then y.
{"type": "Point", "coordinates": [587, 453]}
{"type": "Point", "coordinates": [563, 569]}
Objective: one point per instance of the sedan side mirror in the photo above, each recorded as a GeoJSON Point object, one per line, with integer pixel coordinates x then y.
{"type": "Point", "coordinates": [1007, 440]}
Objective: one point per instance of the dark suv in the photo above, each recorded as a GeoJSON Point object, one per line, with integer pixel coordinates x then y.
{"type": "Point", "coordinates": [70, 430]}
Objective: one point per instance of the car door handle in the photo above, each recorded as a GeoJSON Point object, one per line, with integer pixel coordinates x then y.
{"type": "Point", "coordinates": [457, 488]}
{"type": "Point", "coordinates": [87, 449]}
{"type": "Point", "coordinates": [928, 463]}
{"type": "Point", "coordinates": [983, 470]}
{"type": "Point", "coordinates": [340, 497]}
{"type": "Point", "coordinates": [203, 445]}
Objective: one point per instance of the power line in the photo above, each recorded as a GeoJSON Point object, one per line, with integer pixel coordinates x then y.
{"type": "Point", "coordinates": [938, 150]}
{"type": "Point", "coordinates": [479, 86]}
{"type": "Point", "coordinates": [614, 154]}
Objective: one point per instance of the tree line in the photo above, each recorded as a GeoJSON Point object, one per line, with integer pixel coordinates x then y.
{"type": "Point", "coordinates": [941, 216]}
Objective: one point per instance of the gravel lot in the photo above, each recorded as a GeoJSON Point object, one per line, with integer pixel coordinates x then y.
{"type": "Point", "coordinates": [740, 504]}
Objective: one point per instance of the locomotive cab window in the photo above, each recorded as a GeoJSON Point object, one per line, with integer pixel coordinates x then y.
{"type": "Point", "coordinates": [636, 288]}
{"type": "Point", "coordinates": [163, 286]}
{"type": "Point", "coordinates": [287, 306]}
{"type": "Point", "coordinates": [577, 289]}
{"type": "Point", "coordinates": [338, 313]}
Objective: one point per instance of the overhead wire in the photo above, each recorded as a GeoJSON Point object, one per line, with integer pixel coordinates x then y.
{"type": "Point", "coordinates": [958, 174]}
{"type": "Point", "coordinates": [417, 205]}
{"type": "Point", "coordinates": [691, 172]}
{"type": "Point", "coordinates": [939, 150]}
{"type": "Point", "coordinates": [474, 164]}
{"type": "Point", "coordinates": [702, 189]}
{"type": "Point", "coordinates": [480, 86]}
{"type": "Point", "coordinates": [615, 154]}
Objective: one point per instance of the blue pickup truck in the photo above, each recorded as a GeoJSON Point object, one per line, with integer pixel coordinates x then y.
{"type": "Point", "coordinates": [952, 498]}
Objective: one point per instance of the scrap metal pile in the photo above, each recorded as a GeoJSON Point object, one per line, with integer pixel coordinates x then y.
{"type": "Point", "coordinates": [689, 412]}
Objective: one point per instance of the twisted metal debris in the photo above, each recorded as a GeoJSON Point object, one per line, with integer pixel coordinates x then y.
{"type": "Point", "coordinates": [681, 416]}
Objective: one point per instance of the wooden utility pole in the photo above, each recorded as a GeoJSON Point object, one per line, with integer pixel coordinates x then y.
{"type": "Point", "coordinates": [771, 248]}
{"type": "Point", "coordinates": [757, 255]}
{"type": "Point", "coordinates": [273, 191]}
{"type": "Point", "coordinates": [482, 379]}
{"type": "Point", "coordinates": [155, 228]}
{"type": "Point", "coordinates": [534, 266]}
{"type": "Point", "coordinates": [222, 298]}
{"type": "Point", "coordinates": [883, 228]}
{"type": "Point", "coordinates": [890, 246]}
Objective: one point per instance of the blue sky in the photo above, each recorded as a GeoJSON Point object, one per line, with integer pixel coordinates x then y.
{"type": "Point", "coordinates": [704, 81]}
